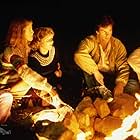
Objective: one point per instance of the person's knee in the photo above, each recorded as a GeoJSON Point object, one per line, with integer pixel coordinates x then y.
{"type": "Point", "coordinates": [132, 87]}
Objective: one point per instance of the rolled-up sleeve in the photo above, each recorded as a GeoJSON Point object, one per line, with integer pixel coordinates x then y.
{"type": "Point", "coordinates": [31, 77]}
{"type": "Point", "coordinates": [83, 58]}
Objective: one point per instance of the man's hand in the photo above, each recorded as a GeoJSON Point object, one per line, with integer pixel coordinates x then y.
{"type": "Point", "coordinates": [99, 77]}
{"type": "Point", "coordinates": [119, 88]}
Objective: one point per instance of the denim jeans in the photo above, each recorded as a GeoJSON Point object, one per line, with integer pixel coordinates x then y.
{"type": "Point", "coordinates": [132, 86]}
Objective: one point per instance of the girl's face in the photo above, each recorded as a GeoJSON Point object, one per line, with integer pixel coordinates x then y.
{"type": "Point", "coordinates": [28, 32]}
{"type": "Point", "coordinates": [47, 42]}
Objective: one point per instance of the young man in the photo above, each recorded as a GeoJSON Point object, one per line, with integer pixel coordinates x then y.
{"type": "Point", "coordinates": [103, 58]}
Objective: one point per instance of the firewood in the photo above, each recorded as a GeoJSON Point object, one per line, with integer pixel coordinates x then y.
{"type": "Point", "coordinates": [102, 107]}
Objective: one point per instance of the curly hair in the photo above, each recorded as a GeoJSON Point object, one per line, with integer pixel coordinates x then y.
{"type": "Point", "coordinates": [15, 38]}
{"type": "Point", "coordinates": [39, 34]}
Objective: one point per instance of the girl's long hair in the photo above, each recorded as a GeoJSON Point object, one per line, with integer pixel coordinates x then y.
{"type": "Point", "coordinates": [15, 36]}
{"type": "Point", "coordinates": [16, 40]}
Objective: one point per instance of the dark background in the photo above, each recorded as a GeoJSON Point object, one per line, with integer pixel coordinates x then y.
{"type": "Point", "coordinates": [72, 20]}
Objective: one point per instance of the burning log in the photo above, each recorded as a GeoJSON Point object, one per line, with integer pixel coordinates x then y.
{"type": "Point", "coordinates": [123, 106]}
{"type": "Point", "coordinates": [101, 107]}
{"type": "Point", "coordinates": [107, 125]}
{"type": "Point", "coordinates": [86, 106]}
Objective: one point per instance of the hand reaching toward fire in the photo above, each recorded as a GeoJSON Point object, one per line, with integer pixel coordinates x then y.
{"type": "Point", "coordinates": [54, 115]}
{"type": "Point", "coordinates": [58, 103]}
{"type": "Point", "coordinates": [53, 98]}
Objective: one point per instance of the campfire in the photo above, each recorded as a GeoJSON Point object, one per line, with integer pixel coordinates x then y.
{"type": "Point", "coordinates": [92, 120]}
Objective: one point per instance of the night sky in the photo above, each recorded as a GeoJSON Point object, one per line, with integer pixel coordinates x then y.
{"type": "Point", "coordinates": [73, 20]}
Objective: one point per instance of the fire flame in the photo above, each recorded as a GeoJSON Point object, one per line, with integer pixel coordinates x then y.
{"type": "Point", "coordinates": [81, 136]}
{"type": "Point", "coordinates": [127, 128]}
